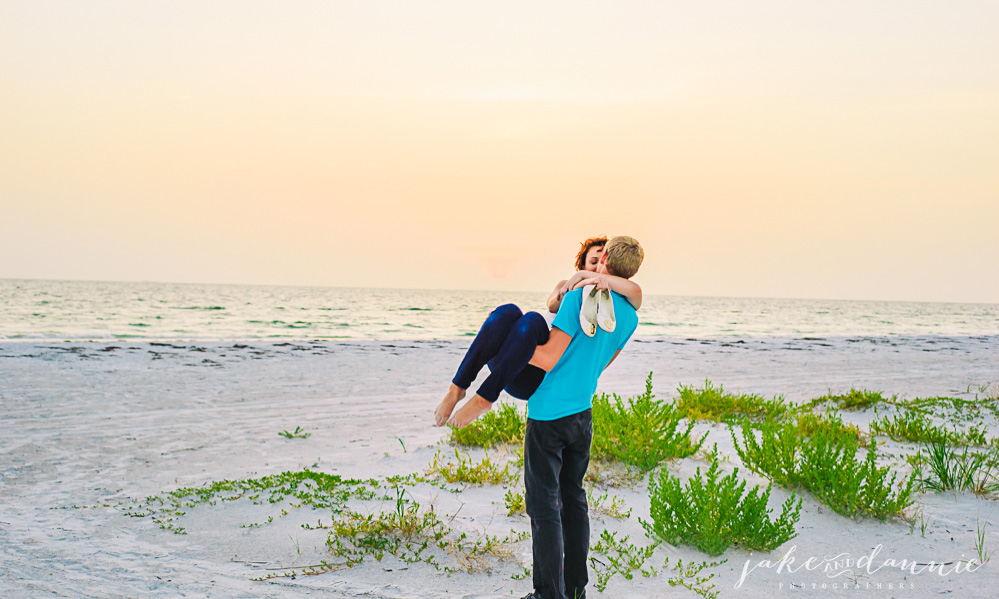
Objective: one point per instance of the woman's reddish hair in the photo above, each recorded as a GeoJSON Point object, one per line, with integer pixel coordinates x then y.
{"type": "Point", "coordinates": [585, 247]}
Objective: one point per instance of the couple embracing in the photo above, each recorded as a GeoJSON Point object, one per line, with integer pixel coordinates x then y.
{"type": "Point", "coordinates": [556, 371]}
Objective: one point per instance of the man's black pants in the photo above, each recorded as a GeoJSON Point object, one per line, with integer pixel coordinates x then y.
{"type": "Point", "coordinates": [556, 455]}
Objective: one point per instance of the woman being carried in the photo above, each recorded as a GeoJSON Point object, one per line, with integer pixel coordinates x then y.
{"type": "Point", "coordinates": [508, 339]}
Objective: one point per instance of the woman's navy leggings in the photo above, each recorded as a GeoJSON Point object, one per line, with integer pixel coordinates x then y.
{"type": "Point", "coordinates": [505, 342]}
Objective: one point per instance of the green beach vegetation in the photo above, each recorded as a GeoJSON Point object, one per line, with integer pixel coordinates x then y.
{"type": "Point", "coordinates": [824, 461]}
{"type": "Point", "coordinates": [502, 425]}
{"type": "Point", "coordinates": [713, 403]}
{"type": "Point", "coordinates": [298, 433]}
{"type": "Point", "coordinates": [918, 427]}
{"type": "Point", "coordinates": [807, 449]}
{"type": "Point", "coordinates": [944, 468]}
{"type": "Point", "coordinates": [466, 470]}
{"type": "Point", "coordinates": [640, 432]}
{"type": "Point", "coordinates": [711, 512]}
{"type": "Point", "coordinates": [855, 399]}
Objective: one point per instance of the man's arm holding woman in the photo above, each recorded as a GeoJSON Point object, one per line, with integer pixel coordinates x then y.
{"type": "Point", "coordinates": [547, 356]}
{"type": "Point", "coordinates": [627, 288]}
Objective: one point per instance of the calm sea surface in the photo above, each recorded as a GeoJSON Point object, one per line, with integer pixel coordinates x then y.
{"type": "Point", "coordinates": [33, 310]}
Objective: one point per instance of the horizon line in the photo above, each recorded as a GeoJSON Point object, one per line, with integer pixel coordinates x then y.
{"type": "Point", "coordinates": [319, 286]}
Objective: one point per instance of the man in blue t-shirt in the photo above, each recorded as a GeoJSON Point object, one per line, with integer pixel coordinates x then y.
{"type": "Point", "coordinates": [560, 426]}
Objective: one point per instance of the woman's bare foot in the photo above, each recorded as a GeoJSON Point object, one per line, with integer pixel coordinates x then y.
{"type": "Point", "coordinates": [443, 411]}
{"type": "Point", "coordinates": [477, 406]}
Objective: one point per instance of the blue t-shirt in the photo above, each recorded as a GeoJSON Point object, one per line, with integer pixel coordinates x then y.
{"type": "Point", "coordinates": [568, 388]}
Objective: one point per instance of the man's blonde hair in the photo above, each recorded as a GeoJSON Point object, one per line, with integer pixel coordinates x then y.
{"type": "Point", "coordinates": [624, 256]}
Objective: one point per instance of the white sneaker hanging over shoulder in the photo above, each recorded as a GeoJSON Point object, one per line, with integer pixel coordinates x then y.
{"type": "Point", "coordinates": [605, 311]}
{"type": "Point", "coordinates": [588, 311]}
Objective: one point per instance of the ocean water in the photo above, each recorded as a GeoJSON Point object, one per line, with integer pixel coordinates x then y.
{"type": "Point", "coordinates": [84, 310]}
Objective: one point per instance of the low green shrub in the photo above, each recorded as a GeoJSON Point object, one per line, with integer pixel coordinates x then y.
{"type": "Point", "coordinates": [502, 424]}
{"type": "Point", "coordinates": [610, 556]}
{"type": "Point", "coordinates": [712, 512]}
{"type": "Point", "coordinates": [856, 399]}
{"type": "Point", "coordinates": [917, 427]}
{"type": "Point", "coordinates": [465, 470]}
{"type": "Point", "coordinates": [514, 502]}
{"type": "Point", "coordinates": [809, 423]}
{"type": "Point", "coordinates": [641, 432]}
{"type": "Point", "coordinates": [713, 403]}
{"type": "Point", "coordinates": [826, 464]}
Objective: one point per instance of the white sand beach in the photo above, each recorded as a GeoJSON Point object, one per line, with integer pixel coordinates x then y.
{"type": "Point", "coordinates": [86, 424]}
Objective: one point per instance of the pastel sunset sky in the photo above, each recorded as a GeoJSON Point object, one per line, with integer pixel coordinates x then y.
{"type": "Point", "coordinates": [843, 149]}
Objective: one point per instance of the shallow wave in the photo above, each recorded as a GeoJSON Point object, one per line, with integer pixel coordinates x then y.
{"type": "Point", "coordinates": [84, 310]}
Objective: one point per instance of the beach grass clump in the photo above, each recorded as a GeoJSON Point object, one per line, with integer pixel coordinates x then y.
{"type": "Point", "coordinates": [855, 400]}
{"type": "Point", "coordinates": [984, 554]}
{"type": "Point", "coordinates": [410, 533]}
{"type": "Point", "coordinates": [298, 433]}
{"type": "Point", "coordinates": [405, 533]}
{"type": "Point", "coordinates": [944, 468]}
{"type": "Point", "coordinates": [504, 424]}
{"type": "Point", "coordinates": [917, 427]}
{"type": "Point", "coordinates": [826, 464]}
{"type": "Point", "coordinates": [713, 403]}
{"type": "Point", "coordinates": [466, 470]}
{"type": "Point", "coordinates": [607, 505]}
{"type": "Point", "coordinates": [640, 432]}
{"type": "Point", "coordinates": [712, 512]}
